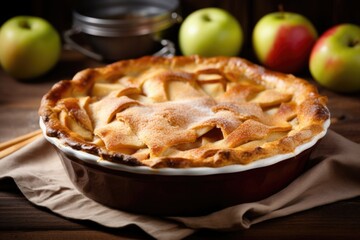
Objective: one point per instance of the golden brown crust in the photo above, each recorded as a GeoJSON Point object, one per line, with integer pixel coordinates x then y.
{"type": "Point", "coordinates": [183, 112]}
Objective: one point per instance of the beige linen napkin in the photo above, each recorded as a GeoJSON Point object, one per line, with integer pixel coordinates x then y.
{"type": "Point", "coordinates": [333, 176]}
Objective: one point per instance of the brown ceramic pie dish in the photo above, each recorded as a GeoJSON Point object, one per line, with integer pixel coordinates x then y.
{"type": "Point", "coordinates": [249, 140]}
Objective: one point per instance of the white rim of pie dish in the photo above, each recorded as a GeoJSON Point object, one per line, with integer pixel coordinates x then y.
{"type": "Point", "coordinates": [196, 171]}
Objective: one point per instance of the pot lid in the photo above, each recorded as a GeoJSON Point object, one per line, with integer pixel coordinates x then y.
{"type": "Point", "coordinates": [112, 18]}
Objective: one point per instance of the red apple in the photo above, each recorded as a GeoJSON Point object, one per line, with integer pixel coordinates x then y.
{"type": "Point", "coordinates": [283, 41]}
{"type": "Point", "coordinates": [335, 58]}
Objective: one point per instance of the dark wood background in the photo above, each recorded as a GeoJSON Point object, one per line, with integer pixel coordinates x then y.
{"type": "Point", "coordinates": [322, 13]}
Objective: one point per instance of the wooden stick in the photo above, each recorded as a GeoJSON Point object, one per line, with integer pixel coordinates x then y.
{"type": "Point", "coordinates": [19, 139]}
{"type": "Point", "coordinates": [15, 144]}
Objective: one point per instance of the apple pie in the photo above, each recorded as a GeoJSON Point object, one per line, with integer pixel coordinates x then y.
{"type": "Point", "coordinates": [182, 112]}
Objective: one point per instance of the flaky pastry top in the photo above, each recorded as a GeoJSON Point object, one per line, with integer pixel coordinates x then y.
{"type": "Point", "coordinates": [183, 112]}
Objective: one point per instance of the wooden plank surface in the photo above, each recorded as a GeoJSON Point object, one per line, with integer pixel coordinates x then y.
{"type": "Point", "coordinates": [19, 219]}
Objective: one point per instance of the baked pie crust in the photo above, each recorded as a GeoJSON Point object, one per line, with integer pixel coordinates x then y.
{"type": "Point", "coordinates": [182, 112]}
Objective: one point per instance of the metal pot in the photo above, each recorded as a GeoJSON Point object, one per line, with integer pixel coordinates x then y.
{"type": "Point", "coordinates": [111, 30]}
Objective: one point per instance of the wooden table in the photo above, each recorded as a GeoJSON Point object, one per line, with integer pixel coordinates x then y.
{"type": "Point", "coordinates": [19, 219]}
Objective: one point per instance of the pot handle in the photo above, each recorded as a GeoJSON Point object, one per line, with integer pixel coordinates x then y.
{"type": "Point", "coordinates": [176, 18]}
{"type": "Point", "coordinates": [74, 45]}
{"type": "Point", "coordinates": [167, 50]}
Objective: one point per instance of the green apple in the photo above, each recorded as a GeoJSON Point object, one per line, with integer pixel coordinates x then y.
{"type": "Point", "coordinates": [283, 41]}
{"type": "Point", "coordinates": [29, 46]}
{"type": "Point", "coordinates": [335, 59]}
{"type": "Point", "coordinates": [210, 32]}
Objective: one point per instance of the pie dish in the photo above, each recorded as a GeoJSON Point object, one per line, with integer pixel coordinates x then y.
{"type": "Point", "coordinates": [179, 120]}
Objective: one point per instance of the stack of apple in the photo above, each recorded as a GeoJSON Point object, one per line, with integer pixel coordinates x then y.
{"type": "Point", "coordinates": [282, 41]}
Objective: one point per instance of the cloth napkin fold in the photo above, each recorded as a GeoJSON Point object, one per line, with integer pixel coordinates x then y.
{"type": "Point", "coordinates": [333, 176]}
